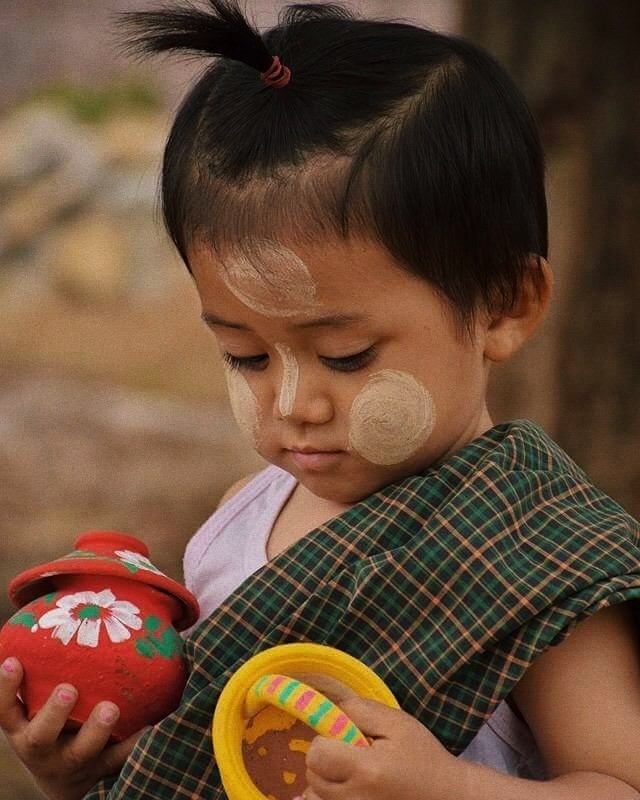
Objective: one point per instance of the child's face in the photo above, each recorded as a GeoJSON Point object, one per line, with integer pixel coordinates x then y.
{"type": "Point", "coordinates": [337, 351]}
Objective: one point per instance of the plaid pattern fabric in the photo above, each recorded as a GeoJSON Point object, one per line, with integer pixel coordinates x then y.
{"type": "Point", "coordinates": [448, 584]}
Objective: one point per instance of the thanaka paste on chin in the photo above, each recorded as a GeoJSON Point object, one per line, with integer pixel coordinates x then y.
{"type": "Point", "coordinates": [271, 280]}
{"type": "Point", "coordinates": [390, 418]}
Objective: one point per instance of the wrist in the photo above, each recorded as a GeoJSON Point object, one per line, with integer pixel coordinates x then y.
{"type": "Point", "coordinates": [479, 782]}
{"type": "Point", "coordinates": [448, 780]}
{"type": "Point", "coordinates": [463, 781]}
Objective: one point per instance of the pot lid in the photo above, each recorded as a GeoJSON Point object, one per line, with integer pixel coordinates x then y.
{"type": "Point", "coordinates": [104, 553]}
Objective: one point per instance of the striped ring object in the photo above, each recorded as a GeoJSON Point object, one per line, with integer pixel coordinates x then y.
{"type": "Point", "coordinates": [306, 704]}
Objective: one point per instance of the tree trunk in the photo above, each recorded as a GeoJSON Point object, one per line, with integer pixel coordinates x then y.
{"type": "Point", "coordinates": [578, 64]}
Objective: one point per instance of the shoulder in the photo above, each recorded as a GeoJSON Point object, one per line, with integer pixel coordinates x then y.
{"type": "Point", "coordinates": [236, 487]}
{"type": "Point", "coordinates": [272, 478]}
{"type": "Point", "coordinates": [211, 529]}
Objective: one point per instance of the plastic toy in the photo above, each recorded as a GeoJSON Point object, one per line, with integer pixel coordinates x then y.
{"type": "Point", "coordinates": [306, 704]}
{"type": "Point", "coordinates": [267, 716]}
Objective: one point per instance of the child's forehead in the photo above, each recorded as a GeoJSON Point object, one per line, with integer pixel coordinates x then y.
{"type": "Point", "coordinates": [292, 282]}
{"type": "Point", "coordinates": [306, 267]}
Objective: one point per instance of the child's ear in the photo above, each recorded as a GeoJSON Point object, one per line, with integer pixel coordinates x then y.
{"type": "Point", "coordinates": [508, 330]}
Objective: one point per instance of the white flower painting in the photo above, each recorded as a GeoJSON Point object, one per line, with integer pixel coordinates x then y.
{"type": "Point", "coordinates": [84, 613]}
{"type": "Point", "coordinates": [137, 560]}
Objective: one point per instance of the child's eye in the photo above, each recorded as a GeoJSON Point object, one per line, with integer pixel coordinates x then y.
{"type": "Point", "coordinates": [256, 363]}
{"type": "Point", "coordinates": [350, 363]}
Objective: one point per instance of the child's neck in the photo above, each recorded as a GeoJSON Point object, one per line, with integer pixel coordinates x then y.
{"type": "Point", "coordinates": [302, 512]}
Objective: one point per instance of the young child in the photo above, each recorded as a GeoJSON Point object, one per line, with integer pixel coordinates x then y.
{"type": "Point", "coordinates": [361, 207]}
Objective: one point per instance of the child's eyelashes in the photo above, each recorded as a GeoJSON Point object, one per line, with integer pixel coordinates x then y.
{"type": "Point", "coordinates": [257, 363]}
{"type": "Point", "coordinates": [350, 363]}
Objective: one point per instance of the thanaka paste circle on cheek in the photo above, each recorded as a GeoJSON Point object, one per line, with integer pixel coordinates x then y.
{"type": "Point", "coordinates": [243, 404]}
{"type": "Point", "coordinates": [271, 280]}
{"type": "Point", "coordinates": [390, 418]}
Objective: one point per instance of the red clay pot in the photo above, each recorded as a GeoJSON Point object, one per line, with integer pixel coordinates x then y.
{"type": "Point", "coordinates": [104, 619]}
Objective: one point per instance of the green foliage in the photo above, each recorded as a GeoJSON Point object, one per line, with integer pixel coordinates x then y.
{"type": "Point", "coordinates": [166, 644]}
{"type": "Point", "coordinates": [145, 648]}
{"type": "Point", "coordinates": [25, 618]}
{"type": "Point", "coordinates": [152, 623]}
{"type": "Point", "coordinates": [94, 104]}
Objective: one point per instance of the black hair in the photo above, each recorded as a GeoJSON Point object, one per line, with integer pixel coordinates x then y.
{"type": "Point", "coordinates": [414, 139]}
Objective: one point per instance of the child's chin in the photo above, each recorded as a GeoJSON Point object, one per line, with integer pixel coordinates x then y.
{"type": "Point", "coordinates": [339, 488]}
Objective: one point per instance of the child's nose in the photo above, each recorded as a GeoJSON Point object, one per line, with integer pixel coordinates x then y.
{"type": "Point", "coordinates": [307, 408]}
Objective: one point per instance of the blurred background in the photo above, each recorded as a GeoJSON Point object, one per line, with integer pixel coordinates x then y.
{"type": "Point", "coordinates": [113, 411]}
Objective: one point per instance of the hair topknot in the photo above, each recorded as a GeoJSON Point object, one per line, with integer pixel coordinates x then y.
{"type": "Point", "coordinates": [224, 30]}
{"type": "Point", "coordinates": [389, 131]}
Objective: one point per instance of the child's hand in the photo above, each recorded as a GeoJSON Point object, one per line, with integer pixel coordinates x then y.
{"type": "Point", "coordinates": [65, 766]}
{"type": "Point", "coordinates": [404, 761]}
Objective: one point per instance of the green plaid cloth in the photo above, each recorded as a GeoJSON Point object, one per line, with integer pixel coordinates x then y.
{"type": "Point", "coordinates": [448, 584]}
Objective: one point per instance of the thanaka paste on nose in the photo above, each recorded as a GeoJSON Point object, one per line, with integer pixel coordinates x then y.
{"type": "Point", "coordinates": [271, 280]}
{"type": "Point", "coordinates": [390, 418]}
{"type": "Point", "coordinates": [290, 377]}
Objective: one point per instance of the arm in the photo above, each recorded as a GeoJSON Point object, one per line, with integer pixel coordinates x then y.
{"type": "Point", "coordinates": [581, 700]}
{"type": "Point", "coordinates": [64, 766]}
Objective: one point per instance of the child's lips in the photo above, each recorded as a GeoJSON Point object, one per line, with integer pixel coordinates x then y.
{"type": "Point", "coordinates": [315, 459]}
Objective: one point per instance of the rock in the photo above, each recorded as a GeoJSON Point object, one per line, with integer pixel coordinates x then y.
{"type": "Point", "coordinates": [129, 140]}
{"type": "Point", "coordinates": [34, 141]}
{"type": "Point", "coordinates": [48, 167]}
{"type": "Point", "coordinates": [87, 260]}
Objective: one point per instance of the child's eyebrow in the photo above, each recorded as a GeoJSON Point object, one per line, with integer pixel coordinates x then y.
{"type": "Point", "coordinates": [329, 321]}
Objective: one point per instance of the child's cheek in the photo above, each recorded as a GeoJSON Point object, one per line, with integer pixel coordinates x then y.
{"type": "Point", "coordinates": [391, 417]}
{"type": "Point", "coordinates": [244, 405]}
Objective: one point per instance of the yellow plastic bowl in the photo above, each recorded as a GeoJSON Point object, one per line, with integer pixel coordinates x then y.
{"type": "Point", "coordinates": [229, 720]}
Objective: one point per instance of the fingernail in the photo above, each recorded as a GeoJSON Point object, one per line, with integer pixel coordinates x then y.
{"type": "Point", "coordinates": [108, 714]}
{"type": "Point", "coordinates": [66, 695]}
{"type": "Point", "coordinates": [10, 666]}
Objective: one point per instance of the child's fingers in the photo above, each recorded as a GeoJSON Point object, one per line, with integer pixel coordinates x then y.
{"type": "Point", "coordinates": [374, 719]}
{"type": "Point", "coordinates": [93, 736]}
{"type": "Point", "coordinates": [331, 760]}
{"type": "Point", "coordinates": [332, 688]}
{"type": "Point", "coordinates": [308, 794]}
{"type": "Point", "coordinates": [47, 724]}
{"type": "Point", "coordinates": [12, 717]}
{"type": "Point", "coordinates": [325, 790]}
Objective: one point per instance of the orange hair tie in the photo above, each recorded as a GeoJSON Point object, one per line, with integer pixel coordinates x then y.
{"type": "Point", "coordinates": [277, 76]}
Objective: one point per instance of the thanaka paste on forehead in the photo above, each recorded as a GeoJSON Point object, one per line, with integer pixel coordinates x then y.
{"type": "Point", "coordinates": [243, 404]}
{"type": "Point", "coordinates": [271, 280]}
{"type": "Point", "coordinates": [390, 417]}
{"type": "Point", "coordinates": [290, 376]}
